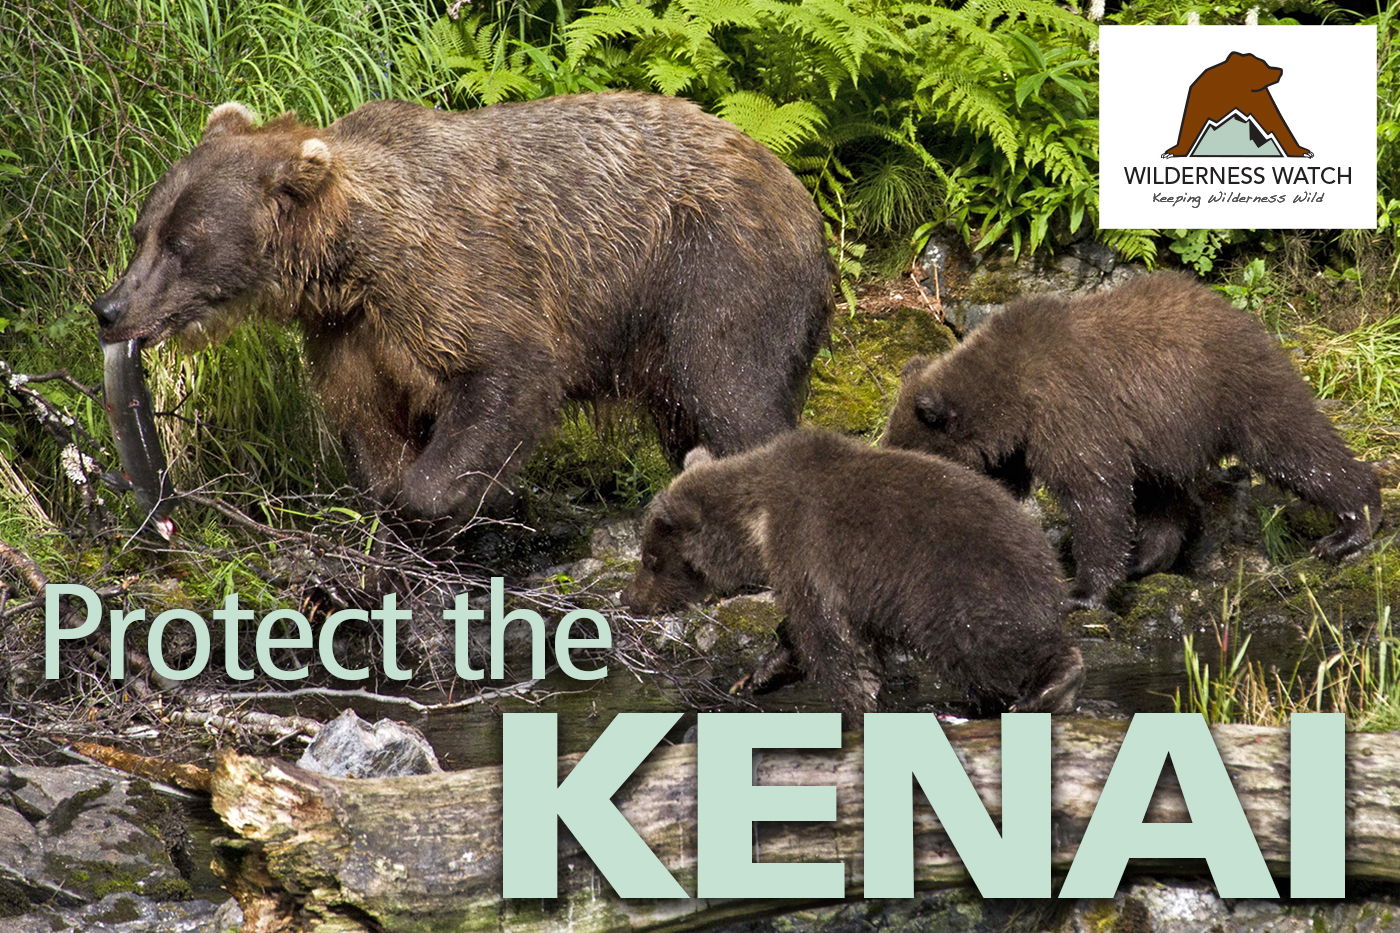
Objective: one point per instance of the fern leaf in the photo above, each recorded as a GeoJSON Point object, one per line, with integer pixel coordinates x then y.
{"type": "Point", "coordinates": [1034, 12]}
{"type": "Point", "coordinates": [669, 76]}
{"type": "Point", "coordinates": [781, 128]}
{"type": "Point", "coordinates": [968, 102]}
{"type": "Point", "coordinates": [629, 19]}
{"type": "Point", "coordinates": [718, 13]}
{"type": "Point", "coordinates": [939, 24]}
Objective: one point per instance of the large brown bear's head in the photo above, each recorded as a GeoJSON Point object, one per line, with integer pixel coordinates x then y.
{"type": "Point", "coordinates": [204, 239]}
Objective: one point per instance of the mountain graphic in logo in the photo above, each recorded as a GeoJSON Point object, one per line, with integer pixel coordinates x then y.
{"type": "Point", "coordinates": [1229, 112]}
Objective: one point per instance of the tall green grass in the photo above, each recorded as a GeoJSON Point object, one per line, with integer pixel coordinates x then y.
{"type": "Point", "coordinates": [1360, 367]}
{"type": "Point", "coordinates": [1338, 671]}
{"type": "Point", "coordinates": [98, 99]}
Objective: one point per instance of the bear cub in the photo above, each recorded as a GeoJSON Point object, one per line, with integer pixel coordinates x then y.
{"type": "Point", "coordinates": [1119, 402]}
{"type": "Point", "coordinates": [866, 550]}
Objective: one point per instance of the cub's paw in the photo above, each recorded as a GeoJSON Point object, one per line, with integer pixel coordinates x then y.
{"type": "Point", "coordinates": [1080, 602]}
{"type": "Point", "coordinates": [777, 669]}
{"type": "Point", "coordinates": [1352, 536]}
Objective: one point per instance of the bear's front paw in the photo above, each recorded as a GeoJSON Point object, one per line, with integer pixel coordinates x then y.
{"type": "Point", "coordinates": [1079, 602]}
{"type": "Point", "coordinates": [777, 669]}
{"type": "Point", "coordinates": [1354, 534]}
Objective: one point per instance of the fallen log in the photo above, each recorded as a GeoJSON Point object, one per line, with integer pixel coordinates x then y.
{"type": "Point", "coordinates": [424, 853]}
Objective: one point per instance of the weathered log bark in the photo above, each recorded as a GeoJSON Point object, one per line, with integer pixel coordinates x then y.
{"type": "Point", "coordinates": [424, 853]}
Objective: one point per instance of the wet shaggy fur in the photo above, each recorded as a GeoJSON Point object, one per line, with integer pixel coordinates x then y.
{"type": "Point", "coordinates": [866, 550]}
{"type": "Point", "coordinates": [459, 276]}
{"type": "Point", "coordinates": [1119, 402]}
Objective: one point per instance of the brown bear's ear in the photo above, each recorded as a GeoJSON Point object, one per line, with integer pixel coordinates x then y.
{"type": "Point", "coordinates": [698, 456]}
{"type": "Point", "coordinates": [303, 175]}
{"type": "Point", "coordinates": [915, 364]}
{"type": "Point", "coordinates": [228, 119]}
{"type": "Point", "coordinates": [675, 512]}
{"type": "Point", "coordinates": [933, 409]}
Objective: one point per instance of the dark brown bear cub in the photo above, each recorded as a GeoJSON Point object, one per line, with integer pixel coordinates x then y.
{"type": "Point", "coordinates": [1119, 402]}
{"type": "Point", "coordinates": [865, 550]}
{"type": "Point", "coordinates": [459, 276]}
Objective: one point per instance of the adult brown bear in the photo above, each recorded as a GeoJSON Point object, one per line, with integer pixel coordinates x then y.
{"type": "Point", "coordinates": [458, 276]}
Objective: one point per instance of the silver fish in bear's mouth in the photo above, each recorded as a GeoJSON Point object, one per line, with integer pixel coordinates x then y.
{"type": "Point", "coordinates": [133, 424]}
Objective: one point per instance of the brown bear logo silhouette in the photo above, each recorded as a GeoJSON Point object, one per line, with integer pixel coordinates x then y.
{"type": "Point", "coordinates": [1240, 86]}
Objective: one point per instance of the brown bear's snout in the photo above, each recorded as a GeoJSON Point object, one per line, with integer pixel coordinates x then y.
{"type": "Point", "coordinates": [109, 306]}
{"type": "Point", "coordinates": [636, 598]}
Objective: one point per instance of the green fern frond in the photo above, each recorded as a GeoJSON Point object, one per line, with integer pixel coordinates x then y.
{"type": "Point", "coordinates": [848, 131]}
{"type": "Point", "coordinates": [718, 13]}
{"type": "Point", "coordinates": [484, 42]}
{"type": "Point", "coordinates": [668, 75]}
{"type": "Point", "coordinates": [630, 19]}
{"type": "Point", "coordinates": [781, 128]}
{"type": "Point", "coordinates": [1133, 245]}
{"type": "Point", "coordinates": [968, 102]}
{"type": "Point", "coordinates": [834, 27]}
{"type": "Point", "coordinates": [1034, 12]}
{"type": "Point", "coordinates": [492, 87]}
{"type": "Point", "coordinates": [939, 27]}
{"type": "Point", "coordinates": [447, 37]}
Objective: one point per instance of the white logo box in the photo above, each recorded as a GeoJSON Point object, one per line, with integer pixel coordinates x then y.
{"type": "Point", "coordinates": [1326, 94]}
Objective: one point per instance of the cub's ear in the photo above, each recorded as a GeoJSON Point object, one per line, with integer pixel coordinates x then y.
{"type": "Point", "coordinates": [934, 410]}
{"type": "Point", "coordinates": [698, 456]}
{"type": "Point", "coordinates": [676, 513]}
{"type": "Point", "coordinates": [304, 174]}
{"type": "Point", "coordinates": [229, 119]}
{"type": "Point", "coordinates": [915, 364]}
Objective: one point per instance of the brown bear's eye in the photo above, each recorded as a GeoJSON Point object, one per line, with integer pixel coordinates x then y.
{"type": "Point", "coordinates": [179, 246]}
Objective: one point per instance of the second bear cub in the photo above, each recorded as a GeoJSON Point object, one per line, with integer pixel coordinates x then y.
{"type": "Point", "coordinates": [865, 550]}
{"type": "Point", "coordinates": [1118, 402]}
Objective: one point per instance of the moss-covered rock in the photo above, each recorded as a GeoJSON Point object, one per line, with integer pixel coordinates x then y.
{"type": "Point", "coordinates": [95, 833]}
{"type": "Point", "coordinates": [1162, 605]}
{"type": "Point", "coordinates": [855, 383]}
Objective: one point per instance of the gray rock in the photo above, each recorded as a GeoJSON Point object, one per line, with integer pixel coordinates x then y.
{"type": "Point", "coordinates": [617, 538]}
{"type": "Point", "coordinates": [91, 832]}
{"type": "Point", "coordinates": [974, 287]}
{"type": "Point", "coordinates": [121, 913]}
{"type": "Point", "coordinates": [227, 919]}
{"type": "Point", "coordinates": [350, 747]}
{"type": "Point", "coordinates": [21, 850]}
{"type": "Point", "coordinates": [83, 847]}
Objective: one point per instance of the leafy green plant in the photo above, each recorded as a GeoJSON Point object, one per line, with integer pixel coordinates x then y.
{"type": "Point", "coordinates": [1203, 249]}
{"type": "Point", "coordinates": [1387, 21]}
{"type": "Point", "coordinates": [1219, 697]}
{"type": "Point", "coordinates": [1358, 367]}
{"type": "Point", "coordinates": [1280, 543]}
{"type": "Point", "coordinates": [1248, 292]}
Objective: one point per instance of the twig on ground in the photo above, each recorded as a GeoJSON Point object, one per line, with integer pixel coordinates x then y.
{"type": "Point", "coordinates": [485, 696]}
{"type": "Point", "coordinates": [251, 721]}
{"type": "Point", "coordinates": [24, 565]}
